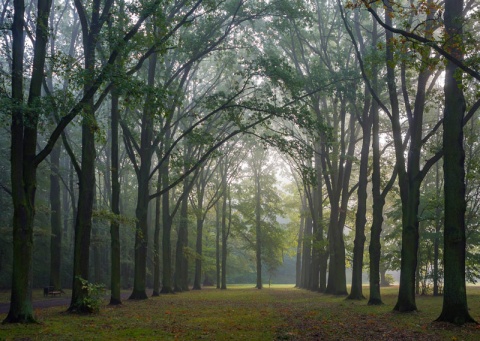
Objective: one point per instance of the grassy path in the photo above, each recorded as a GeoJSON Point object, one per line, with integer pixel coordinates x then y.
{"type": "Point", "coordinates": [245, 313]}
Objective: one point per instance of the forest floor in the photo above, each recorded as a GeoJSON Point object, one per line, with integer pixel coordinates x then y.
{"type": "Point", "coordinates": [245, 313]}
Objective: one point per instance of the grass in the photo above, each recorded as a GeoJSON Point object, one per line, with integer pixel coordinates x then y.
{"type": "Point", "coordinates": [245, 313]}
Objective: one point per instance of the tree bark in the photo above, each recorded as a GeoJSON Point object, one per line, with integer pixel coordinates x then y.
{"type": "Point", "coordinates": [55, 219]}
{"type": "Point", "coordinates": [377, 215]}
{"type": "Point", "coordinates": [83, 222]}
{"type": "Point", "coordinates": [156, 239]}
{"type": "Point", "coordinates": [410, 182]}
{"type": "Point", "coordinates": [369, 110]}
{"type": "Point", "coordinates": [115, 272]}
{"type": "Point", "coordinates": [217, 244]}
{"type": "Point", "coordinates": [258, 223]}
{"type": "Point", "coordinates": [300, 241]}
{"type": "Point", "coordinates": [83, 225]}
{"type": "Point", "coordinates": [356, 292]}
{"type": "Point", "coordinates": [143, 191]}
{"type": "Point", "coordinates": [455, 308]}
{"type": "Point", "coordinates": [167, 225]}
{"type": "Point", "coordinates": [199, 242]}
{"type": "Point", "coordinates": [307, 246]}
{"type": "Point", "coordinates": [339, 195]}
{"type": "Point", "coordinates": [318, 276]}
{"type": "Point", "coordinates": [181, 261]}
{"type": "Point", "coordinates": [23, 148]}
{"type": "Point", "coordinates": [223, 171]}
{"type": "Point", "coordinates": [436, 242]}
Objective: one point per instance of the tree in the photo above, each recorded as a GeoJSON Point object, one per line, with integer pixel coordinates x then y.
{"type": "Point", "coordinates": [115, 298]}
{"type": "Point", "coordinates": [181, 254]}
{"type": "Point", "coordinates": [91, 28]}
{"type": "Point", "coordinates": [366, 121]}
{"type": "Point", "coordinates": [257, 213]}
{"type": "Point", "coordinates": [55, 219]}
{"type": "Point", "coordinates": [145, 152]}
{"type": "Point", "coordinates": [24, 161]}
{"type": "Point", "coordinates": [455, 309]}
{"type": "Point", "coordinates": [201, 208]}
{"type": "Point", "coordinates": [406, 298]}
{"type": "Point", "coordinates": [409, 169]}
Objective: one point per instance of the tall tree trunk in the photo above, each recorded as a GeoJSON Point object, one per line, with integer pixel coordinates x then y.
{"type": "Point", "coordinates": [55, 195]}
{"type": "Point", "coordinates": [307, 246]}
{"type": "Point", "coordinates": [410, 183]}
{"type": "Point", "coordinates": [258, 225]}
{"type": "Point", "coordinates": [55, 219]}
{"type": "Point", "coordinates": [337, 282]}
{"type": "Point", "coordinates": [438, 225]}
{"type": "Point", "coordinates": [300, 241]}
{"type": "Point", "coordinates": [167, 228]}
{"type": "Point", "coordinates": [115, 271]}
{"type": "Point", "coordinates": [83, 224]}
{"type": "Point", "coordinates": [455, 308]}
{"type": "Point", "coordinates": [217, 244]}
{"type": "Point", "coordinates": [377, 215]}
{"type": "Point", "coordinates": [23, 165]}
{"type": "Point", "coordinates": [156, 239]}
{"type": "Point", "coordinates": [73, 203]}
{"type": "Point", "coordinates": [199, 242]}
{"type": "Point", "coordinates": [332, 231]}
{"type": "Point", "coordinates": [198, 260]}
{"type": "Point", "coordinates": [181, 261]}
{"type": "Point", "coordinates": [316, 210]}
{"type": "Point", "coordinates": [224, 227]}
{"type": "Point", "coordinates": [356, 292]}
{"type": "Point", "coordinates": [96, 263]}
{"type": "Point", "coordinates": [143, 193]}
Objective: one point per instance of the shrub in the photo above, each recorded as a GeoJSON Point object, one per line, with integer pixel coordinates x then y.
{"type": "Point", "coordinates": [92, 297]}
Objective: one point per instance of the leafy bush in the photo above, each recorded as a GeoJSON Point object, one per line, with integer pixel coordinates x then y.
{"type": "Point", "coordinates": [92, 297]}
{"type": "Point", "coordinates": [389, 279]}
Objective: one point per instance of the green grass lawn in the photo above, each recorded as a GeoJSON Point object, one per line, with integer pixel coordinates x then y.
{"type": "Point", "coordinates": [245, 313]}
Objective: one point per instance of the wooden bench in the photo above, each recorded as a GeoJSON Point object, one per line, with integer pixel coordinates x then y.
{"type": "Point", "coordinates": [50, 291]}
